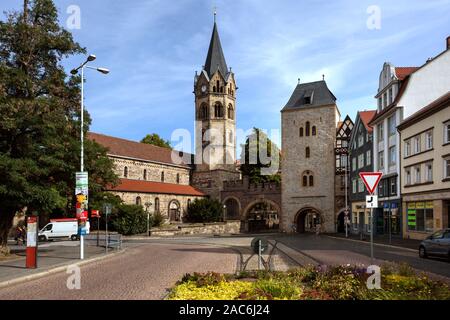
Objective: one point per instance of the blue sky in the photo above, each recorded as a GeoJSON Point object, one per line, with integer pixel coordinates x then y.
{"type": "Point", "coordinates": [154, 47]}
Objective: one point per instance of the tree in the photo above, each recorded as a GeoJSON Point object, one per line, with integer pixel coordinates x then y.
{"type": "Point", "coordinates": [129, 219]}
{"type": "Point", "coordinates": [156, 140]}
{"type": "Point", "coordinates": [261, 158]}
{"type": "Point", "coordinates": [39, 118]}
{"type": "Point", "coordinates": [205, 210]}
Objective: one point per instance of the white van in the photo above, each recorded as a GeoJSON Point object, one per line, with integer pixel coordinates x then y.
{"type": "Point", "coordinates": [60, 229]}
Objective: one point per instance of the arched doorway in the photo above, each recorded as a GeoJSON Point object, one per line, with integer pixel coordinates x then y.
{"type": "Point", "coordinates": [262, 216]}
{"type": "Point", "coordinates": [341, 222]}
{"type": "Point", "coordinates": [174, 211]}
{"type": "Point", "coordinates": [307, 220]}
{"type": "Point", "coordinates": [232, 209]}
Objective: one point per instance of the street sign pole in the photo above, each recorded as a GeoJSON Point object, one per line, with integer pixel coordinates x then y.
{"type": "Point", "coordinates": [371, 180]}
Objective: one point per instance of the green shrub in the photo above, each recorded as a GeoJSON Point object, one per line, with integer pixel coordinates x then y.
{"type": "Point", "coordinates": [129, 219]}
{"type": "Point", "coordinates": [205, 210]}
{"type": "Point", "coordinates": [157, 220]}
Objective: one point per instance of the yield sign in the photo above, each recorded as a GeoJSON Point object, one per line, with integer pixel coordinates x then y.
{"type": "Point", "coordinates": [371, 180]}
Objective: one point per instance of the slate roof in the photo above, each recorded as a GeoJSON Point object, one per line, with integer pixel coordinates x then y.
{"type": "Point", "coordinates": [132, 149]}
{"type": "Point", "coordinates": [215, 59]}
{"type": "Point", "coordinates": [140, 186]}
{"type": "Point", "coordinates": [317, 92]}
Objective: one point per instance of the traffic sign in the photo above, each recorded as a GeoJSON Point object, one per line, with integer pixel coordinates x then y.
{"type": "Point", "coordinates": [371, 180]}
{"type": "Point", "coordinates": [371, 202]}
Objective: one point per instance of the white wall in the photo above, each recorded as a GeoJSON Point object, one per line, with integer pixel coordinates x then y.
{"type": "Point", "coordinates": [426, 85]}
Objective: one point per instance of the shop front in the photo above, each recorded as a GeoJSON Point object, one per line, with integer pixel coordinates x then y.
{"type": "Point", "coordinates": [388, 218]}
{"type": "Point", "coordinates": [360, 218]}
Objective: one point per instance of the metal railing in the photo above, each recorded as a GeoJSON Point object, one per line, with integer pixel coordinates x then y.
{"type": "Point", "coordinates": [112, 240]}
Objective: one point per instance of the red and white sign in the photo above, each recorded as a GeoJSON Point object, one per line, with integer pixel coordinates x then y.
{"type": "Point", "coordinates": [32, 236]}
{"type": "Point", "coordinates": [371, 180]}
{"type": "Point", "coordinates": [95, 214]}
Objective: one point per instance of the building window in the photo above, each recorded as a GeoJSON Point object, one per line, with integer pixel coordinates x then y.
{"type": "Point", "coordinates": [381, 159]}
{"type": "Point", "coordinates": [392, 125]}
{"type": "Point", "coordinates": [125, 172]}
{"type": "Point", "coordinates": [392, 156]}
{"type": "Point", "coordinates": [314, 131]}
{"type": "Point", "coordinates": [447, 132]}
{"type": "Point", "coordinates": [360, 140]}
{"type": "Point", "coordinates": [361, 161]}
{"type": "Point", "coordinates": [157, 209]}
{"type": "Point", "coordinates": [162, 176]}
{"type": "Point", "coordinates": [308, 179]}
{"type": "Point", "coordinates": [385, 100]}
{"type": "Point", "coordinates": [429, 172]}
{"type": "Point", "coordinates": [145, 174]}
{"type": "Point", "coordinates": [138, 201]}
{"type": "Point", "coordinates": [447, 168]}
{"type": "Point", "coordinates": [393, 185]}
{"type": "Point", "coordinates": [429, 140]}
{"type": "Point", "coordinates": [354, 164]}
{"type": "Point", "coordinates": [380, 132]}
{"type": "Point", "coordinates": [301, 132]}
{"type": "Point", "coordinates": [418, 177]}
{"type": "Point", "coordinates": [204, 114]}
{"type": "Point", "coordinates": [354, 186]}
{"type": "Point", "coordinates": [417, 144]}
{"type": "Point", "coordinates": [391, 95]}
{"type": "Point", "coordinates": [178, 178]}
{"type": "Point", "coordinates": [308, 152]}
{"type": "Point", "coordinates": [379, 103]}
{"type": "Point", "coordinates": [407, 148]}
{"type": "Point", "coordinates": [420, 216]}
{"type": "Point", "coordinates": [308, 128]}
{"type": "Point", "coordinates": [369, 157]}
{"type": "Point", "coordinates": [230, 112]}
{"type": "Point", "coordinates": [360, 185]}
{"type": "Point", "coordinates": [218, 110]}
{"type": "Point", "coordinates": [408, 176]}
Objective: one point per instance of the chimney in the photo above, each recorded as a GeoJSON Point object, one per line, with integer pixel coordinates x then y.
{"type": "Point", "coordinates": [448, 42]}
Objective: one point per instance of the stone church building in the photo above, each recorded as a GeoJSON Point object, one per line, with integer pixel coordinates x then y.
{"type": "Point", "coordinates": [314, 159]}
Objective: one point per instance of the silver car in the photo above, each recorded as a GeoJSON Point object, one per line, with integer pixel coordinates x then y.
{"type": "Point", "coordinates": [438, 244]}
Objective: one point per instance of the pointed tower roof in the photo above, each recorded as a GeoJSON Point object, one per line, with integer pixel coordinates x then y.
{"type": "Point", "coordinates": [215, 59]}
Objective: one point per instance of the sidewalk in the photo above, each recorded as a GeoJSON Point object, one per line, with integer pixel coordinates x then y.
{"type": "Point", "coordinates": [50, 256]}
{"type": "Point", "coordinates": [381, 239]}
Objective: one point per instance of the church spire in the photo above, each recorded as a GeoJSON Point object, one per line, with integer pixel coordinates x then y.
{"type": "Point", "coordinates": [215, 59]}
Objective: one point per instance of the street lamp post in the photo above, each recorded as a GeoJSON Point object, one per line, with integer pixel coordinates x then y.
{"type": "Point", "coordinates": [148, 205]}
{"type": "Point", "coordinates": [224, 213]}
{"type": "Point", "coordinates": [90, 58]}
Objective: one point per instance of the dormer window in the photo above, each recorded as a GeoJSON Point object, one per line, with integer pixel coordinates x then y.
{"type": "Point", "coordinates": [308, 97]}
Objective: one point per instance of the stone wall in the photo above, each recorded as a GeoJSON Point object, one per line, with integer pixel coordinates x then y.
{"type": "Point", "coordinates": [154, 170]}
{"type": "Point", "coordinates": [212, 182]}
{"type": "Point", "coordinates": [229, 227]}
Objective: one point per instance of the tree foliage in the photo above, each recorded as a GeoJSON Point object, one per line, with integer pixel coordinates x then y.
{"type": "Point", "coordinates": [156, 140]}
{"type": "Point", "coordinates": [260, 158]}
{"type": "Point", "coordinates": [39, 117]}
{"type": "Point", "coordinates": [129, 219]}
{"type": "Point", "coordinates": [205, 210]}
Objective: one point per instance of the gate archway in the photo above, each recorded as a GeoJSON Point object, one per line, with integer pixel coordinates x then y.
{"type": "Point", "coordinates": [232, 208]}
{"type": "Point", "coordinates": [262, 215]}
{"type": "Point", "coordinates": [308, 219]}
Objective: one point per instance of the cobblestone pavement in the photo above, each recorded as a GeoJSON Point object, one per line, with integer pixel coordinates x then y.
{"type": "Point", "coordinates": [143, 271]}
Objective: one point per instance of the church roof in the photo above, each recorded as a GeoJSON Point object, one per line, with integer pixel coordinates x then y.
{"type": "Point", "coordinates": [312, 94]}
{"type": "Point", "coordinates": [131, 149]}
{"type": "Point", "coordinates": [215, 59]}
{"type": "Point", "coordinates": [140, 186]}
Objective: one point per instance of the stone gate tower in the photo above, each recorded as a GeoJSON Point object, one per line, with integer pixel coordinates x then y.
{"type": "Point", "coordinates": [215, 121]}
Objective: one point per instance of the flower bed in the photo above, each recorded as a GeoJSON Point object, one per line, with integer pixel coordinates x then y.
{"type": "Point", "coordinates": [398, 282]}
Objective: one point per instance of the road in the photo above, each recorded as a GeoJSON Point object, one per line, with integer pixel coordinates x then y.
{"type": "Point", "coordinates": [331, 251]}
{"type": "Point", "coordinates": [142, 272]}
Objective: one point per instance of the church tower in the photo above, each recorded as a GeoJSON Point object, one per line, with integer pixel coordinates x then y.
{"type": "Point", "coordinates": [215, 121]}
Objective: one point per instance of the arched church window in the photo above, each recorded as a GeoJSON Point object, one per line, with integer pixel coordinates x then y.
{"type": "Point", "coordinates": [307, 179]}
{"type": "Point", "coordinates": [230, 112]}
{"type": "Point", "coordinates": [162, 176]}
{"type": "Point", "coordinates": [314, 131]}
{"type": "Point", "coordinates": [218, 85]}
{"type": "Point", "coordinates": [218, 110]}
{"type": "Point", "coordinates": [178, 178]}
{"type": "Point", "coordinates": [308, 152]}
{"type": "Point", "coordinates": [308, 125]}
{"type": "Point", "coordinates": [145, 174]}
{"type": "Point", "coordinates": [204, 112]}
{"type": "Point", "coordinates": [214, 89]}
{"type": "Point", "coordinates": [301, 132]}
{"type": "Point", "coordinates": [125, 172]}
{"type": "Point", "coordinates": [311, 181]}
{"type": "Point", "coordinates": [157, 205]}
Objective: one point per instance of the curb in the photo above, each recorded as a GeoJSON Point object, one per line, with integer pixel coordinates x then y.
{"type": "Point", "coordinates": [56, 270]}
{"type": "Point", "coordinates": [375, 243]}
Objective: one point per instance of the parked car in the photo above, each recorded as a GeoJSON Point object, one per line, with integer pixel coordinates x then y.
{"type": "Point", "coordinates": [59, 229]}
{"type": "Point", "coordinates": [438, 244]}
